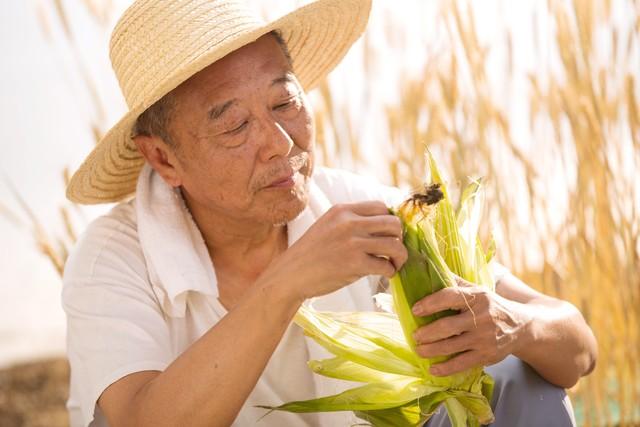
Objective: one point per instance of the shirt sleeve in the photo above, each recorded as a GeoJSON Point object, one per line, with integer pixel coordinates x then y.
{"type": "Point", "coordinates": [346, 187]}
{"type": "Point", "coordinates": [114, 324]}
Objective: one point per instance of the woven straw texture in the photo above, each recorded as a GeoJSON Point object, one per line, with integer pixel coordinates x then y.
{"type": "Point", "coordinates": [158, 44]}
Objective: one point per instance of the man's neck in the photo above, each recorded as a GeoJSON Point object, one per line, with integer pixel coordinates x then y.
{"type": "Point", "coordinates": [251, 248]}
{"type": "Point", "coordinates": [239, 246]}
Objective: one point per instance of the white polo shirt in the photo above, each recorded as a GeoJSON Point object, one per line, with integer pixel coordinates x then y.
{"type": "Point", "coordinates": [140, 288]}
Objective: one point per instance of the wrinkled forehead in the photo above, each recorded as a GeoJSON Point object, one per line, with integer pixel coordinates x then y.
{"type": "Point", "coordinates": [258, 61]}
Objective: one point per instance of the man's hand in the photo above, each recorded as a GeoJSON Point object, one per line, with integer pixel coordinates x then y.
{"type": "Point", "coordinates": [348, 242]}
{"type": "Point", "coordinates": [487, 329]}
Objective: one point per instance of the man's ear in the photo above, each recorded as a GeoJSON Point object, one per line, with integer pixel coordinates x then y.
{"type": "Point", "coordinates": [160, 157]}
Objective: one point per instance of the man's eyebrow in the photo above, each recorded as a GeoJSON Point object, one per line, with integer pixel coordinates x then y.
{"type": "Point", "coordinates": [287, 78]}
{"type": "Point", "coordinates": [218, 110]}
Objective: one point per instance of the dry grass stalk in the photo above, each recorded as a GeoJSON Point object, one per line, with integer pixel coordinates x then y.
{"type": "Point", "coordinates": [601, 260]}
{"type": "Point", "coordinates": [56, 250]}
{"type": "Point", "coordinates": [62, 16]}
{"type": "Point", "coordinates": [100, 11]}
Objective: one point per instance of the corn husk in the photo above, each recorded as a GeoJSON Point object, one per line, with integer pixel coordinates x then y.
{"type": "Point", "coordinates": [378, 349]}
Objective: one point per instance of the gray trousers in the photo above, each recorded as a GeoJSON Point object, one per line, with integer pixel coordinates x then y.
{"type": "Point", "coordinates": [521, 398]}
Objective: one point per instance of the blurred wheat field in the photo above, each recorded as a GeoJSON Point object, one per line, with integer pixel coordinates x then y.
{"type": "Point", "coordinates": [560, 162]}
{"type": "Point", "coordinates": [566, 203]}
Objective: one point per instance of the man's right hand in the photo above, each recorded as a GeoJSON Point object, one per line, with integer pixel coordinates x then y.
{"type": "Point", "coordinates": [348, 242]}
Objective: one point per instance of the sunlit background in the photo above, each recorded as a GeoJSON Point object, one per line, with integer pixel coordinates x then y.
{"type": "Point", "coordinates": [542, 99]}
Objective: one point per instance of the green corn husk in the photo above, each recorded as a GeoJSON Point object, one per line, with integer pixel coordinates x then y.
{"type": "Point", "coordinates": [378, 349]}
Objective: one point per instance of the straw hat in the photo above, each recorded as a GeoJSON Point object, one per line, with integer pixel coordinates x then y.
{"type": "Point", "coordinates": [158, 44]}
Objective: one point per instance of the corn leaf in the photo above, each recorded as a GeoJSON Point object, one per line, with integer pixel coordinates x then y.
{"type": "Point", "coordinates": [373, 396]}
{"type": "Point", "coordinates": [477, 405]}
{"type": "Point", "coordinates": [409, 415]}
{"type": "Point", "coordinates": [386, 324]}
{"type": "Point", "coordinates": [366, 324]}
{"type": "Point", "coordinates": [354, 344]}
{"type": "Point", "coordinates": [456, 412]}
{"type": "Point", "coordinates": [468, 223]}
{"type": "Point", "coordinates": [446, 226]}
{"type": "Point", "coordinates": [341, 368]}
{"type": "Point", "coordinates": [484, 274]}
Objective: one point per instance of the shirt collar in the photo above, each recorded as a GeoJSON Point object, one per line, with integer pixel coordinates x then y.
{"type": "Point", "coordinates": [177, 259]}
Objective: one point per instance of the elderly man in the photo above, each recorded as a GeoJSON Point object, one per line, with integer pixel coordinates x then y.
{"type": "Point", "coordinates": [179, 301]}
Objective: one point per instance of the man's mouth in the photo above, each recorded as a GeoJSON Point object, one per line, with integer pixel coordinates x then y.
{"type": "Point", "coordinates": [286, 181]}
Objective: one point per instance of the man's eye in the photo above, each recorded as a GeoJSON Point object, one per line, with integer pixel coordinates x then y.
{"type": "Point", "coordinates": [238, 129]}
{"type": "Point", "coordinates": [288, 103]}
{"type": "Point", "coordinates": [283, 105]}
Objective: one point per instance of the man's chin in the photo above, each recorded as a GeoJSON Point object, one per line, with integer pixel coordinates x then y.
{"type": "Point", "coordinates": [287, 212]}
{"type": "Point", "coordinates": [287, 205]}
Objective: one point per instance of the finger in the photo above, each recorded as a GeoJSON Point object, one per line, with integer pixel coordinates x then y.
{"type": "Point", "coordinates": [380, 266]}
{"type": "Point", "coordinates": [387, 247]}
{"type": "Point", "coordinates": [459, 363]}
{"type": "Point", "coordinates": [444, 328]}
{"type": "Point", "coordinates": [382, 225]}
{"type": "Point", "coordinates": [368, 208]}
{"type": "Point", "coordinates": [445, 347]}
{"type": "Point", "coordinates": [454, 298]}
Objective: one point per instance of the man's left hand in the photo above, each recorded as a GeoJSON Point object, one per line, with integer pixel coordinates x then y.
{"type": "Point", "coordinates": [487, 328]}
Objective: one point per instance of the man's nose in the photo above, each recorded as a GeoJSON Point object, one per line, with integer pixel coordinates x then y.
{"type": "Point", "coordinates": [276, 140]}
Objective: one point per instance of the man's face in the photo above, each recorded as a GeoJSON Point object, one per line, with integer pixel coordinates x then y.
{"type": "Point", "coordinates": [245, 136]}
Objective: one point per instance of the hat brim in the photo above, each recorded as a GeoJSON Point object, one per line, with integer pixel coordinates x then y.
{"type": "Point", "coordinates": [318, 36]}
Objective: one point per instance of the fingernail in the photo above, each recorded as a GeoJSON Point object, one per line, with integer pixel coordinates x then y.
{"type": "Point", "coordinates": [435, 370]}
{"type": "Point", "coordinates": [416, 309]}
